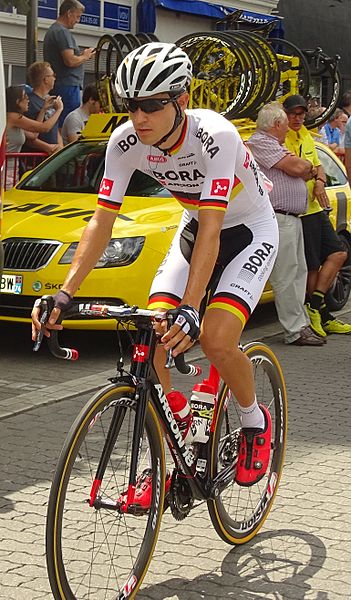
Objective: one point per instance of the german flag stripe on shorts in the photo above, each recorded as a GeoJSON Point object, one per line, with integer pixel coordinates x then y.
{"type": "Point", "coordinates": [163, 300]}
{"type": "Point", "coordinates": [232, 303]}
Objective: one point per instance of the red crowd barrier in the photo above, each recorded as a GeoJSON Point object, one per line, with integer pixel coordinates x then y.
{"type": "Point", "coordinates": [17, 163]}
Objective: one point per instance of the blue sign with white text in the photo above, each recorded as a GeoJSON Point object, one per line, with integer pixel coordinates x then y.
{"type": "Point", "coordinates": [91, 15]}
{"type": "Point", "coordinates": [47, 9]}
{"type": "Point", "coordinates": [117, 16]}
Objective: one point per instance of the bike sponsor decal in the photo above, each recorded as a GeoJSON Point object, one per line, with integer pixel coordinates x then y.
{"type": "Point", "coordinates": [125, 402]}
{"type": "Point", "coordinates": [156, 159]}
{"type": "Point", "coordinates": [140, 352]}
{"type": "Point", "coordinates": [106, 187]}
{"type": "Point", "coordinates": [157, 494]}
{"type": "Point", "coordinates": [207, 142]}
{"type": "Point", "coordinates": [220, 187]}
{"type": "Point", "coordinates": [257, 514]}
{"type": "Point", "coordinates": [129, 587]}
{"type": "Point", "coordinates": [186, 453]}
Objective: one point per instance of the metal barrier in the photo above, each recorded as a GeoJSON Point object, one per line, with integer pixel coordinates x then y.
{"type": "Point", "coordinates": [17, 163]}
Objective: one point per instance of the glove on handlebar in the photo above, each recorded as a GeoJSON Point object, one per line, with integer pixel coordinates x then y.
{"type": "Point", "coordinates": [62, 300]}
{"type": "Point", "coordinates": [187, 317]}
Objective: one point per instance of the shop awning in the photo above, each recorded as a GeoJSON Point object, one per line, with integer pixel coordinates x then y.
{"type": "Point", "coordinates": [147, 13]}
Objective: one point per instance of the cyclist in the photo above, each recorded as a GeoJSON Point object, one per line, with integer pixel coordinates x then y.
{"type": "Point", "coordinates": [228, 224]}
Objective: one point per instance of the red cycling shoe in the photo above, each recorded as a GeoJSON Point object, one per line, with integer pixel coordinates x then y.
{"type": "Point", "coordinates": [254, 452]}
{"type": "Point", "coordinates": [143, 490]}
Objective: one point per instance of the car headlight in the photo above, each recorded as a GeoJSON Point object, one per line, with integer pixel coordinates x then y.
{"type": "Point", "coordinates": [118, 253]}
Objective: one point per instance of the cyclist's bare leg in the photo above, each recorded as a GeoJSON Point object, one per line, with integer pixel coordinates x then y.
{"type": "Point", "coordinates": [162, 373]}
{"type": "Point", "coordinates": [219, 340]}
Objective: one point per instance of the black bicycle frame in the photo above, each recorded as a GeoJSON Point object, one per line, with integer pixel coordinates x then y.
{"type": "Point", "coordinates": [143, 373]}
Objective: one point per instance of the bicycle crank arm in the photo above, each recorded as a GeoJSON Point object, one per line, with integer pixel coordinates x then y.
{"type": "Point", "coordinates": [222, 480]}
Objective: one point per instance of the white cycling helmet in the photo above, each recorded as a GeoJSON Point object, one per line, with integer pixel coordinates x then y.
{"type": "Point", "coordinates": [152, 69]}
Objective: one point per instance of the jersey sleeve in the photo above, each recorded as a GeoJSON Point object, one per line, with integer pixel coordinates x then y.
{"type": "Point", "coordinates": [231, 168]}
{"type": "Point", "coordinates": [119, 167]}
{"type": "Point", "coordinates": [219, 155]}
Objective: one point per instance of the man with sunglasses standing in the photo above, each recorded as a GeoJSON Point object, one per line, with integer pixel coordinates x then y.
{"type": "Point", "coordinates": [228, 228]}
{"type": "Point", "coordinates": [324, 252]}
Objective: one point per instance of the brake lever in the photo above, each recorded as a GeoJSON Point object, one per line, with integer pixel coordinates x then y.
{"type": "Point", "coordinates": [46, 306]}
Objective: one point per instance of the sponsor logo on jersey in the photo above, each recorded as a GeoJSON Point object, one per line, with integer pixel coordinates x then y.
{"type": "Point", "coordinates": [207, 142]}
{"type": "Point", "coordinates": [220, 187]}
{"type": "Point", "coordinates": [183, 176]}
{"type": "Point", "coordinates": [106, 187]}
{"type": "Point", "coordinates": [130, 140]}
{"type": "Point", "coordinates": [156, 159]}
{"type": "Point", "coordinates": [247, 160]}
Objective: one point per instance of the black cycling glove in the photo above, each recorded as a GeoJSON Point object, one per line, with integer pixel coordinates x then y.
{"type": "Point", "coordinates": [187, 317]}
{"type": "Point", "coordinates": [62, 300]}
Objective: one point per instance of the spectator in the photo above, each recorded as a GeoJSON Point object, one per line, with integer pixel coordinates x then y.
{"type": "Point", "coordinates": [323, 250]}
{"type": "Point", "coordinates": [19, 127]}
{"type": "Point", "coordinates": [42, 79]}
{"type": "Point", "coordinates": [289, 199]}
{"type": "Point", "coordinates": [62, 52]}
{"type": "Point", "coordinates": [347, 145]}
{"type": "Point", "coordinates": [76, 120]}
{"type": "Point", "coordinates": [342, 126]}
{"type": "Point", "coordinates": [332, 129]}
{"type": "Point", "coordinates": [345, 103]}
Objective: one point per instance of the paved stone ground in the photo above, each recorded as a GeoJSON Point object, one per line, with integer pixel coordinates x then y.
{"type": "Point", "coordinates": [302, 552]}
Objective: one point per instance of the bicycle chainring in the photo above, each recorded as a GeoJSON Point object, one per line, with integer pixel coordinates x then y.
{"type": "Point", "coordinates": [180, 496]}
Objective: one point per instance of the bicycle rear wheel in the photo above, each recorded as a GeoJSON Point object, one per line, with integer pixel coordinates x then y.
{"type": "Point", "coordinates": [103, 553]}
{"type": "Point", "coordinates": [239, 512]}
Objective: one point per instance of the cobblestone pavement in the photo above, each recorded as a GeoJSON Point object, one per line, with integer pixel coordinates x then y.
{"type": "Point", "coordinates": [302, 552]}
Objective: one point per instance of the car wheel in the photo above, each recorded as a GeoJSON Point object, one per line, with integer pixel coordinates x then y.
{"type": "Point", "coordinates": [339, 292]}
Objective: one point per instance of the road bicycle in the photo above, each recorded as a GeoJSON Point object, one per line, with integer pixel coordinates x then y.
{"type": "Point", "coordinates": [99, 547]}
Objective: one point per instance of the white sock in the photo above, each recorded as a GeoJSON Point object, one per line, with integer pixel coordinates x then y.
{"type": "Point", "coordinates": [251, 416]}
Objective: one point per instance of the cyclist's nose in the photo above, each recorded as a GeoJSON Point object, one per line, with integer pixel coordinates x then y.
{"type": "Point", "coordinates": [139, 116]}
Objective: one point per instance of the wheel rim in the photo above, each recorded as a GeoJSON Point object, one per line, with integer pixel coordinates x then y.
{"type": "Point", "coordinates": [96, 553]}
{"type": "Point", "coordinates": [240, 510]}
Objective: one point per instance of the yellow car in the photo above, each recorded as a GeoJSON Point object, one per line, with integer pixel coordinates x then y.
{"type": "Point", "coordinates": [44, 217]}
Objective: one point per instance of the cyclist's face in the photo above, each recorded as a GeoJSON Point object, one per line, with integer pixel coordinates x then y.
{"type": "Point", "coordinates": [153, 126]}
{"type": "Point", "coordinates": [296, 118]}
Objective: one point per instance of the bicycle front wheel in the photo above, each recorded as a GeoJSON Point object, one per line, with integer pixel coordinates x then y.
{"type": "Point", "coordinates": [103, 553]}
{"type": "Point", "coordinates": [239, 512]}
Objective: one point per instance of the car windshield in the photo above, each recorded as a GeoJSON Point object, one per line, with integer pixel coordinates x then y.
{"type": "Point", "coordinates": [79, 168]}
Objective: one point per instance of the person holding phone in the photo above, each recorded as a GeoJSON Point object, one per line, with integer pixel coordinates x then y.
{"type": "Point", "coordinates": [63, 54]}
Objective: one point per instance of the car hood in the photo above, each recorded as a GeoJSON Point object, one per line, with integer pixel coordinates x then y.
{"type": "Point", "coordinates": [64, 216]}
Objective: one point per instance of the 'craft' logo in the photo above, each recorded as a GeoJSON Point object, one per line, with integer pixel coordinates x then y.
{"type": "Point", "coordinates": [106, 187]}
{"type": "Point", "coordinates": [219, 187]}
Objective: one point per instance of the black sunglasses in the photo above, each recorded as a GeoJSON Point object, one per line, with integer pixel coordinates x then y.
{"type": "Point", "coordinates": [149, 105]}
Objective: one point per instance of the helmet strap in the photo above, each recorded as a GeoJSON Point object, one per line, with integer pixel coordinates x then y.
{"type": "Point", "coordinates": [177, 121]}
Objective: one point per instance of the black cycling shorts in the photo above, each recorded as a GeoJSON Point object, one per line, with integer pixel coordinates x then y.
{"type": "Point", "coordinates": [320, 239]}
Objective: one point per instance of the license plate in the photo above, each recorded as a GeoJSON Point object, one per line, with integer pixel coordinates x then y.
{"type": "Point", "coordinates": [11, 284]}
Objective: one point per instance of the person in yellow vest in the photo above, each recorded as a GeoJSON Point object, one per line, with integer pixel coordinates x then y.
{"type": "Point", "coordinates": [323, 250]}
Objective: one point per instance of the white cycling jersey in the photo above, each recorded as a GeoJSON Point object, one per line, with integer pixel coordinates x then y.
{"type": "Point", "coordinates": [208, 168]}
